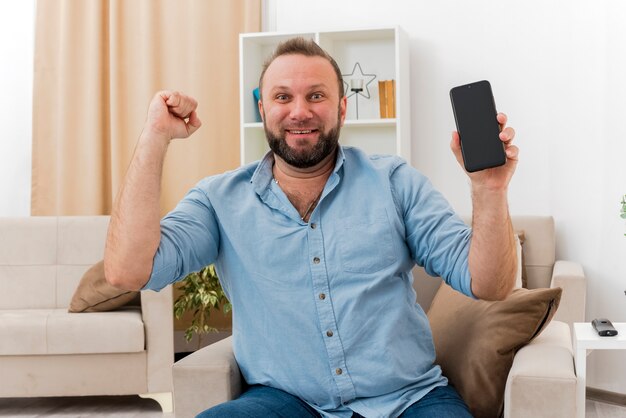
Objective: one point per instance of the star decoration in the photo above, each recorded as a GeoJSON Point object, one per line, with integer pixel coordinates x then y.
{"type": "Point", "coordinates": [358, 75]}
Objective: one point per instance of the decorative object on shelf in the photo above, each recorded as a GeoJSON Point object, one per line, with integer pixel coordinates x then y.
{"type": "Point", "coordinates": [387, 96]}
{"type": "Point", "coordinates": [358, 82]}
{"type": "Point", "coordinates": [256, 95]}
{"type": "Point", "coordinates": [201, 294]}
{"type": "Point", "coordinates": [356, 86]}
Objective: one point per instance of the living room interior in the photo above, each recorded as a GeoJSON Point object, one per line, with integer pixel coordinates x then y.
{"type": "Point", "coordinates": [555, 68]}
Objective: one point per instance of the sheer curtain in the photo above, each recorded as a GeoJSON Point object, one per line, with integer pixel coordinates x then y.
{"type": "Point", "coordinates": [97, 65]}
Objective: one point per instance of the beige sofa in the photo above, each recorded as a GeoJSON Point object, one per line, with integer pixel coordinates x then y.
{"type": "Point", "coordinates": [46, 351]}
{"type": "Point", "coordinates": [541, 382]}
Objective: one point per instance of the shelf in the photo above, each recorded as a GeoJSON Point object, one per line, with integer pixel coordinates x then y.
{"type": "Point", "coordinates": [370, 122]}
{"type": "Point", "coordinates": [382, 52]}
{"type": "Point", "coordinates": [349, 122]}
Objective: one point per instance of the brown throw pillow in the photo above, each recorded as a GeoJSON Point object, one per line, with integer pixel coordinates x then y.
{"type": "Point", "coordinates": [95, 294]}
{"type": "Point", "coordinates": [476, 340]}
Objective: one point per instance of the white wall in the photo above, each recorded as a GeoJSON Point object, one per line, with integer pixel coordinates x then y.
{"type": "Point", "coordinates": [17, 24]}
{"type": "Point", "coordinates": [557, 68]}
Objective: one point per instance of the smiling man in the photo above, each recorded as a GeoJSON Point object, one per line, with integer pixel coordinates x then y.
{"type": "Point", "coordinates": [314, 246]}
{"type": "Point", "coordinates": [303, 109]}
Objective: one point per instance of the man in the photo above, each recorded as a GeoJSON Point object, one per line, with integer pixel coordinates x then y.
{"type": "Point", "coordinates": [314, 246]}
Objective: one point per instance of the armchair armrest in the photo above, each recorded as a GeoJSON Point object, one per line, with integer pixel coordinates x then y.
{"type": "Point", "coordinates": [206, 378]}
{"type": "Point", "coordinates": [570, 276]}
{"type": "Point", "coordinates": [542, 380]}
{"type": "Point", "coordinates": [156, 312]}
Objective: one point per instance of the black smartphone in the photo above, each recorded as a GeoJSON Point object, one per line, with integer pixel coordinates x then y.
{"type": "Point", "coordinates": [475, 114]}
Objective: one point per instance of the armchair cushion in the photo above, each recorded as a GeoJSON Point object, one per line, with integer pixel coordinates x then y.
{"type": "Point", "coordinates": [95, 294]}
{"type": "Point", "coordinates": [476, 340]}
{"type": "Point", "coordinates": [29, 332]}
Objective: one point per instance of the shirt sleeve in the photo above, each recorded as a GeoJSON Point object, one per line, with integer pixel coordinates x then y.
{"type": "Point", "coordinates": [189, 239]}
{"type": "Point", "coordinates": [437, 237]}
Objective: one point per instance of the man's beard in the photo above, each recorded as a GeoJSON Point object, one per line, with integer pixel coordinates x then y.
{"type": "Point", "coordinates": [326, 144]}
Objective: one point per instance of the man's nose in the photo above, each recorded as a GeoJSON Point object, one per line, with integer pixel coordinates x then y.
{"type": "Point", "coordinates": [300, 109]}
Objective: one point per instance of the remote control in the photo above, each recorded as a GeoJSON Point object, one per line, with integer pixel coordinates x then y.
{"type": "Point", "coordinates": [604, 327]}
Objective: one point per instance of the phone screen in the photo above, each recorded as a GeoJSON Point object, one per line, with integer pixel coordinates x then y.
{"type": "Point", "coordinates": [475, 115]}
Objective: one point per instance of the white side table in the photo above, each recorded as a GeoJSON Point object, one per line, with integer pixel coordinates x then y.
{"type": "Point", "coordinates": [586, 338]}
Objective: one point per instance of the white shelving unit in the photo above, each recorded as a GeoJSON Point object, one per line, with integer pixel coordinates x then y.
{"type": "Point", "coordinates": [382, 52]}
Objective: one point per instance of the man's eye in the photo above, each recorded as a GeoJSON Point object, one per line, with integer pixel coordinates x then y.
{"type": "Point", "coordinates": [317, 96]}
{"type": "Point", "coordinates": [282, 97]}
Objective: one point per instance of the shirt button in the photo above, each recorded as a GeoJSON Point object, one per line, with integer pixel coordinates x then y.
{"type": "Point", "coordinates": [338, 371]}
{"type": "Point", "coordinates": [322, 296]}
{"type": "Point", "coordinates": [316, 260]}
{"type": "Point", "coordinates": [313, 225]}
{"type": "Point", "coordinates": [329, 333]}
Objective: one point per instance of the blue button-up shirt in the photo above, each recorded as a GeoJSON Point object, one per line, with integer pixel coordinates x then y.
{"type": "Point", "coordinates": [324, 310]}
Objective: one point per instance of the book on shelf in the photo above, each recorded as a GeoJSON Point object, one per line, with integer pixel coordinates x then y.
{"type": "Point", "coordinates": [387, 98]}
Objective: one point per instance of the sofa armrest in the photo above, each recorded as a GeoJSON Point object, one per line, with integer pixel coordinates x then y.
{"type": "Point", "coordinates": [542, 379]}
{"type": "Point", "coordinates": [157, 313]}
{"type": "Point", "coordinates": [206, 378]}
{"type": "Point", "coordinates": [570, 276]}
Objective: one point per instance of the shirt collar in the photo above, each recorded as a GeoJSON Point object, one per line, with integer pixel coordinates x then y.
{"type": "Point", "coordinates": [262, 176]}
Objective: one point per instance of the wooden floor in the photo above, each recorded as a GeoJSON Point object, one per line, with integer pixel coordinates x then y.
{"type": "Point", "coordinates": [135, 407]}
{"type": "Point", "coordinates": [595, 409]}
{"type": "Point", "coordinates": [82, 407]}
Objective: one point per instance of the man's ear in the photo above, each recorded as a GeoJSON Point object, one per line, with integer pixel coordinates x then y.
{"type": "Point", "coordinates": [260, 104]}
{"type": "Point", "coordinates": [343, 103]}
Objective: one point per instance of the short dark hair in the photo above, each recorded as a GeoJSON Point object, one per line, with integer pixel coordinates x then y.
{"type": "Point", "coordinates": [306, 47]}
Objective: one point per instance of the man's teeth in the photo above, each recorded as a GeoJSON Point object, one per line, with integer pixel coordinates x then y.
{"type": "Point", "coordinates": [302, 132]}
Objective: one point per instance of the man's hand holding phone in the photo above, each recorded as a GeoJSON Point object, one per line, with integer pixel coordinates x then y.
{"type": "Point", "coordinates": [482, 142]}
{"type": "Point", "coordinates": [497, 177]}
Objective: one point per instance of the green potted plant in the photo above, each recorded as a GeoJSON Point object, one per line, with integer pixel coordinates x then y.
{"type": "Point", "coordinates": [200, 294]}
